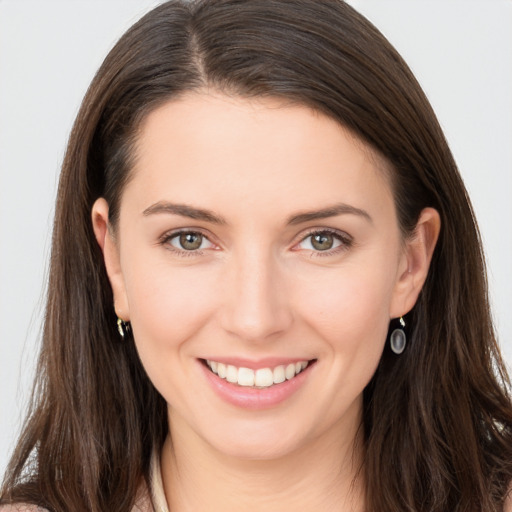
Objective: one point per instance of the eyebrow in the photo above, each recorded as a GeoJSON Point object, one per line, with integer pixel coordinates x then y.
{"type": "Point", "coordinates": [330, 211]}
{"type": "Point", "coordinates": [191, 212]}
{"type": "Point", "coordinates": [184, 210]}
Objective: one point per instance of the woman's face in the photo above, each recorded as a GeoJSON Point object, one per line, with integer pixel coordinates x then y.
{"type": "Point", "coordinates": [257, 237]}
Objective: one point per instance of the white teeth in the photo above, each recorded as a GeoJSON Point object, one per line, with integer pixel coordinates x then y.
{"type": "Point", "coordinates": [245, 377]}
{"type": "Point", "coordinates": [290, 371]}
{"type": "Point", "coordinates": [231, 373]}
{"type": "Point", "coordinates": [261, 378]}
{"type": "Point", "coordinates": [279, 375]}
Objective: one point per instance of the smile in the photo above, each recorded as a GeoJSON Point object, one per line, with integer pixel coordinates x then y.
{"type": "Point", "coordinates": [260, 378]}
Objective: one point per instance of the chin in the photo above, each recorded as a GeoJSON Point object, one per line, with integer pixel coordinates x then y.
{"type": "Point", "coordinates": [258, 448]}
{"type": "Point", "coordinates": [258, 440]}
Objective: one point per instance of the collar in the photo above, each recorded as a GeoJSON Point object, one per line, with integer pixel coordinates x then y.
{"type": "Point", "coordinates": [156, 485]}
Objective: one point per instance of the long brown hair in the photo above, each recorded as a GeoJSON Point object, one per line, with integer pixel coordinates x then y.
{"type": "Point", "coordinates": [437, 419]}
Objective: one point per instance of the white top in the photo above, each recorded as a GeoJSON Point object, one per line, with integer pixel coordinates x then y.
{"type": "Point", "coordinates": [157, 486]}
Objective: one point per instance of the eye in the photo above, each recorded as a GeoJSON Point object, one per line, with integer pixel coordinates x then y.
{"type": "Point", "coordinates": [324, 241]}
{"type": "Point", "coordinates": [189, 241]}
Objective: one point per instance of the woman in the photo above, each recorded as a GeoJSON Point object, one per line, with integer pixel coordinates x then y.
{"type": "Point", "coordinates": [266, 288]}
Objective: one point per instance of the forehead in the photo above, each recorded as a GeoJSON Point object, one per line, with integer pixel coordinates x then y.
{"type": "Point", "coordinates": [208, 147]}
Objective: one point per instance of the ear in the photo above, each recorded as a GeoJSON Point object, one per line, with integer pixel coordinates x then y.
{"type": "Point", "coordinates": [111, 257]}
{"type": "Point", "coordinates": [415, 262]}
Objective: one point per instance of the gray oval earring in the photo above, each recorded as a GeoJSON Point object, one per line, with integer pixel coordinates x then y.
{"type": "Point", "coordinates": [398, 339]}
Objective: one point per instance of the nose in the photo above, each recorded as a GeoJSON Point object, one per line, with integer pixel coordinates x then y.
{"type": "Point", "coordinates": [256, 308]}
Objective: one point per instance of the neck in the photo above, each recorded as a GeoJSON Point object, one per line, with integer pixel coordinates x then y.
{"type": "Point", "coordinates": [324, 475]}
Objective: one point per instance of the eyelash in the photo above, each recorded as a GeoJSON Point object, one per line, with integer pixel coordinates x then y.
{"type": "Point", "coordinates": [167, 237]}
{"type": "Point", "coordinates": [345, 242]}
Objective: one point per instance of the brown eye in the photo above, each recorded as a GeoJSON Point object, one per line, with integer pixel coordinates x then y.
{"type": "Point", "coordinates": [325, 241]}
{"type": "Point", "coordinates": [322, 241]}
{"type": "Point", "coordinates": [190, 241]}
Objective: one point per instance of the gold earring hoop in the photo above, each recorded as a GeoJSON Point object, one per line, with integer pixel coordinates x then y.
{"type": "Point", "coordinates": [123, 328]}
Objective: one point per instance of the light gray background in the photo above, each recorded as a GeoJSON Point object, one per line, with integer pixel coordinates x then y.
{"type": "Point", "coordinates": [460, 50]}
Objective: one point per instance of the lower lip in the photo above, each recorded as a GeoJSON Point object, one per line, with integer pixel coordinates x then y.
{"type": "Point", "coordinates": [253, 398]}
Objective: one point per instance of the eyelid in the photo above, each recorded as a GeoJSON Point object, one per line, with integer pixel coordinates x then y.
{"type": "Point", "coordinates": [346, 240]}
{"type": "Point", "coordinates": [165, 238]}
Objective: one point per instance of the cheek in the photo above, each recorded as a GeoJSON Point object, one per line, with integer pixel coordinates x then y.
{"type": "Point", "coordinates": [168, 307]}
{"type": "Point", "coordinates": [349, 307]}
{"type": "Point", "coordinates": [168, 304]}
{"type": "Point", "coordinates": [348, 311]}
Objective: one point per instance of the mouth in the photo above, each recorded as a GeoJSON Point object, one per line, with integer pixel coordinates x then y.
{"type": "Point", "coordinates": [260, 378]}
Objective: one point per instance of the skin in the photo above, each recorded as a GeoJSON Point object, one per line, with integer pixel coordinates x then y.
{"type": "Point", "coordinates": [258, 288]}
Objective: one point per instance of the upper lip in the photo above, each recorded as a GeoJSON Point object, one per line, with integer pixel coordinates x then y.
{"type": "Point", "coordinates": [267, 362]}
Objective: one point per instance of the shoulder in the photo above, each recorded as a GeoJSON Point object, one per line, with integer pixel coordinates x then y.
{"type": "Point", "coordinates": [507, 506]}
{"type": "Point", "coordinates": [143, 505]}
{"type": "Point", "coordinates": [21, 507]}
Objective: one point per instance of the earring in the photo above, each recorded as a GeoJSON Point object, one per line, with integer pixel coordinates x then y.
{"type": "Point", "coordinates": [123, 327]}
{"type": "Point", "coordinates": [398, 340]}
